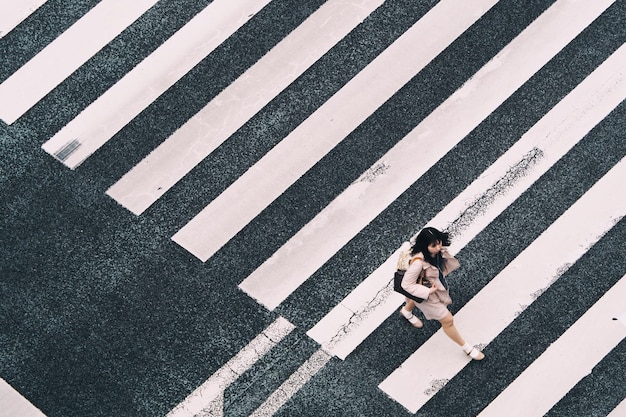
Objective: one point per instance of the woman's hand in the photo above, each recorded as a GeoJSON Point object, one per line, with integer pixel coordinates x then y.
{"type": "Point", "coordinates": [433, 289]}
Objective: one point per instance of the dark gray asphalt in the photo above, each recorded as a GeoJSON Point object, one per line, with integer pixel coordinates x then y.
{"type": "Point", "coordinates": [101, 314]}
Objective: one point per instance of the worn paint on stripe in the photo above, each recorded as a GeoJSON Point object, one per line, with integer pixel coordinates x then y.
{"type": "Point", "coordinates": [289, 267]}
{"type": "Point", "coordinates": [65, 54]}
{"type": "Point", "coordinates": [12, 13]}
{"type": "Point", "coordinates": [566, 361]}
{"type": "Point", "coordinates": [212, 390]}
{"type": "Point", "coordinates": [516, 287]}
{"type": "Point", "coordinates": [365, 308]}
{"type": "Point", "coordinates": [103, 118]}
{"type": "Point", "coordinates": [327, 126]}
{"type": "Point", "coordinates": [293, 384]}
{"type": "Point", "coordinates": [236, 104]}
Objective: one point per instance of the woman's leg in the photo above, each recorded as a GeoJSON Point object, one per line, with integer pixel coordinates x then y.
{"type": "Point", "coordinates": [447, 324]}
{"type": "Point", "coordinates": [409, 304]}
{"type": "Point", "coordinates": [407, 313]}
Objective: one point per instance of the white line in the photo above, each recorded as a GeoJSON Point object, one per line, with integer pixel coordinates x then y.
{"type": "Point", "coordinates": [95, 125]}
{"type": "Point", "coordinates": [214, 409]}
{"type": "Point", "coordinates": [229, 110]}
{"type": "Point", "coordinates": [496, 305]}
{"type": "Point", "coordinates": [12, 403]}
{"type": "Point", "coordinates": [365, 308]}
{"type": "Point", "coordinates": [293, 384]}
{"type": "Point", "coordinates": [327, 126]}
{"type": "Point", "coordinates": [620, 410]}
{"type": "Point", "coordinates": [565, 362]}
{"type": "Point", "coordinates": [621, 317]}
{"type": "Point", "coordinates": [70, 50]}
{"type": "Point", "coordinates": [12, 13]}
{"type": "Point", "coordinates": [360, 203]}
{"type": "Point", "coordinates": [205, 395]}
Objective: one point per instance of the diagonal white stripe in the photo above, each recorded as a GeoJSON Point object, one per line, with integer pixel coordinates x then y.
{"type": "Point", "coordinates": [227, 112]}
{"type": "Point", "coordinates": [293, 384]}
{"type": "Point", "coordinates": [328, 126]}
{"type": "Point", "coordinates": [290, 266]}
{"type": "Point", "coordinates": [566, 361]}
{"type": "Point", "coordinates": [95, 125]}
{"type": "Point", "coordinates": [620, 410]}
{"type": "Point", "coordinates": [204, 397]}
{"type": "Point", "coordinates": [363, 310]}
{"type": "Point", "coordinates": [73, 48]}
{"type": "Point", "coordinates": [12, 13]}
{"type": "Point", "coordinates": [13, 404]}
{"type": "Point", "coordinates": [496, 305]}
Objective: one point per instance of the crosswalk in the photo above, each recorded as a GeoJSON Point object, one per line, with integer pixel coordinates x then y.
{"type": "Point", "coordinates": [441, 126]}
{"type": "Point", "coordinates": [13, 14]}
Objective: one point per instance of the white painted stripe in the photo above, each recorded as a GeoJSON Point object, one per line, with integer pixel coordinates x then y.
{"type": "Point", "coordinates": [211, 391]}
{"type": "Point", "coordinates": [13, 12]}
{"type": "Point", "coordinates": [293, 384]}
{"type": "Point", "coordinates": [327, 126]}
{"type": "Point", "coordinates": [568, 360]}
{"type": "Point", "coordinates": [291, 265]}
{"type": "Point", "coordinates": [95, 125]}
{"type": "Point", "coordinates": [620, 410]}
{"type": "Point", "coordinates": [70, 50]}
{"type": "Point", "coordinates": [12, 403]}
{"type": "Point", "coordinates": [227, 112]}
{"type": "Point", "coordinates": [365, 308]}
{"type": "Point", "coordinates": [621, 317]}
{"type": "Point", "coordinates": [214, 409]}
{"type": "Point", "coordinates": [517, 286]}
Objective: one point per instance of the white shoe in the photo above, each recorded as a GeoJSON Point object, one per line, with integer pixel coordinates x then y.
{"type": "Point", "coordinates": [411, 318]}
{"type": "Point", "coordinates": [476, 354]}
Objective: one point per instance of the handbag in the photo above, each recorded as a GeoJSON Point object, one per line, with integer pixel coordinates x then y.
{"type": "Point", "coordinates": [397, 284]}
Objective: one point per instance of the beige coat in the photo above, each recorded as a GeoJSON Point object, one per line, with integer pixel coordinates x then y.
{"type": "Point", "coordinates": [434, 305]}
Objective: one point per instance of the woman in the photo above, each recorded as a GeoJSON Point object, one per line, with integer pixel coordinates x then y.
{"type": "Point", "coordinates": [429, 254]}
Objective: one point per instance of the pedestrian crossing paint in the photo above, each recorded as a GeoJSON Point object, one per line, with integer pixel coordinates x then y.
{"type": "Point", "coordinates": [566, 361]}
{"type": "Point", "coordinates": [620, 410]}
{"type": "Point", "coordinates": [103, 118]}
{"type": "Point", "coordinates": [289, 267]}
{"type": "Point", "coordinates": [296, 381]}
{"type": "Point", "coordinates": [24, 88]}
{"type": "Point", "coordinates": [210, 395]}
{"type": "Point", "coordinates": [327, 126]}
{"type": "Point", "coordinates": [12, 13]}
{"type": "Point", "coordinates": [516, 286]}
{"type": "Point", "coordinates": [372, 302]}
{"type": "Point", "coordinates": [13, 404]}
{"type": "Point", "coordinates": [227, 112]}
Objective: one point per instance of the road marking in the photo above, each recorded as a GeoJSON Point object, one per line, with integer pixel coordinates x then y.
{"type": "Point", "coordinates": [229, 110]}
{"type": "Point", "coordinates": [517, 286]}
{"type": "Point", "coordinates": [12, 13]}
{"type": "Point", "coordinates": [103, 118]}
{"type": "Point", "coordinates": [565, 362]}
{"type": "Point", "coordinates": [211, 392]}
{"type": "Point", "coordinates": [365, 308]}
{"type": "Point", "coordinates": [14, 404]}
{"type": "Point", "coordinates": [293, 384]}
{"type": "Point", "coordinates": [333, 228]}
{"type": "Point", "coordinates": [620, 410]}
{"type": "Point", "coordinates": [24, 88]}
{"type": "Point", "coordinates": [217, 223]}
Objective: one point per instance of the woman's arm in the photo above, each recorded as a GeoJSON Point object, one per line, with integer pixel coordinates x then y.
{"type": "Point", "coordinates": [450, 263]}
{"type": "Point", "coordinates": [409, 281]}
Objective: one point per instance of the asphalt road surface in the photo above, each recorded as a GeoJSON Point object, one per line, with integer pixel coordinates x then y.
{"type": "Point", "coordinates": [203, 202]}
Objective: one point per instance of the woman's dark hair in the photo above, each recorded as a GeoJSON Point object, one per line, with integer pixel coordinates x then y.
{"type": "Point", "coordinates": [427, 236]}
